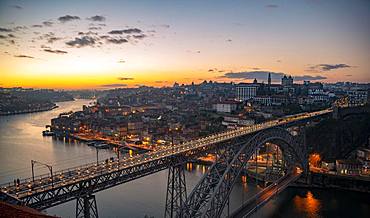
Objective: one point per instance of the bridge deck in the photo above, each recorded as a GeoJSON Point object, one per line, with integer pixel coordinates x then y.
{"type": "Point", "coordinates": [70, 177]}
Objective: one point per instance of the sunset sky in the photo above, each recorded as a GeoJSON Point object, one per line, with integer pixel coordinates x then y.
{"type": "Point", "coordinates": [109, 44]}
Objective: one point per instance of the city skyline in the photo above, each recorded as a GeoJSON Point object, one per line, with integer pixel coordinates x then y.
{"type": "Point", "coordinates": [114, 44]}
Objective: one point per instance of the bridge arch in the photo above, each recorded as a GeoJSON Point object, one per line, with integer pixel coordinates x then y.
{"type": "Point", "coordinates": [210, 195]}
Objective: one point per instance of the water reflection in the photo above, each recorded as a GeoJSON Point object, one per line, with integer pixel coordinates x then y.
{"type": "Point", "coordinates": [21, 141]}
{"type": "Point", "coordinates": [307, 204]}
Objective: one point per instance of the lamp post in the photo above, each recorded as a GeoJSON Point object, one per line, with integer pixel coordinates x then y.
{"type": "Point", "coordinates": [33, 162]}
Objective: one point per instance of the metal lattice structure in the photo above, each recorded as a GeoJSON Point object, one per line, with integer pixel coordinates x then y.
{"type": "Point", "coordinates": [86, 207]}
{"type": "Point", "coordinates": [232, 148]}
{"type": "Point", "coordinates": [176, 191]}
{"type": "Point", "coordinates": [210, 195]}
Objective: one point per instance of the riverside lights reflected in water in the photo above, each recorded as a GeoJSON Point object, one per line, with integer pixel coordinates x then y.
{"type": "Point", "coordinates": [21, 141]}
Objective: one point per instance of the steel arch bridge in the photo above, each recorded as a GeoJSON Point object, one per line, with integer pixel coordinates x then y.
{"type": "Point", "coordinates": [210, 195]}
{"type": "Point", "coordinates": [232, 149]}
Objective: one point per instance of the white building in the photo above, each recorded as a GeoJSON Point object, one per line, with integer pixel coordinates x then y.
{"type": "Point", "coordinates": [246, 91]}
{"type": "Point", "coordinates": [226, 106]}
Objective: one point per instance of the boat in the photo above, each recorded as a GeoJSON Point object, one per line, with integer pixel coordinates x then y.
{"type": "Point", "coordinates": [101, 146]}
{"type": "Point", "coordinates": [47, 133]}
{"type": "Point", "coordinates": [91, 144]}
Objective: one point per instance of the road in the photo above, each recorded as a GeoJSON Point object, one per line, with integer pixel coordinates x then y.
{"type": "Point", "coordinates": [265, 195]}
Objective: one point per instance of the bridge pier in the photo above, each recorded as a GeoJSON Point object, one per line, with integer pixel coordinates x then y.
{"type": "Point", "coordinates": [86, 207]}
{"type": "Point", "coordinates": [176, 191]}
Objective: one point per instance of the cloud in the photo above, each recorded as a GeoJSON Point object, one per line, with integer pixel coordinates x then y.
{"type": "Point", "coordinates": [125, 78]}
{"type": "Point", "coordinates": [114, 85]}
{"type": "Point", "coordinates": [215, 70]}
{"type": "Point", "coordinates": [121, 61]}
{"type": "Point", "coordinates": [126, 31]}
{"type": "Point", "coordinates": [141, 36]}
{"type": "Point", "coordinates": [94, 28]}
{"type": "Point", "coordinates": [55, 51]}
{"type": "Point", "coordinates": [67, 18]}
{"type": "Point", "coordinates": [37, 26]}
{"type": "Point", "coordinates": [328, 67]}
{"type": "Point", "coordinates": [117, 41]}
{"type": "Point", "coordinates": [53, 39]}
{"type": "Point", "coordinates": [271, 6]}
{"type": "Point", "coordinates": [97, 18]}
{"type": "Point", "coordinates": [17, 28]}
{"type": "Point", "coordinates": [159, 81]}
{"type": "Point", "coordinates": [5, 30]}
{"type": "Point", "coordinates": [88, 33]}
{"type": "Point", "coordinates": [16, 7]}
{"type": "Point", "coordinates": [47, 23]}
{"type": "Point", "coordinates": [263, 75]}
{"type": "Point", "coordinates": [308, 77]}
{"type": "Point", "coordinates": [23, 56]}
{"type": "Point", "coordinates": [7, 36]}
{"type": "Point", "coordinates": [81, 42]}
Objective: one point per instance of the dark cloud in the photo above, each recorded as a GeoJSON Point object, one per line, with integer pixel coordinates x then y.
{"type": "Point", "coordinates": [121, 61]}
{"type": "Point", "coordinates": [2, 37]}
{"type": "Point", "coordinates": [126, 31]}
{"type": "Point", "coordinates": [11, 35]}
{"type": "Point", "coordinates": [141, 36]}
{"type": "Point", "coordinates": [159, 81]}
{"type": "Point", "coordinates": [308, 77]}
{"type": "Point", "coordinates": [23, 56]}
{"type": "Point", "coordinates": [87, 33]}
{"type": "Point", "coordinates": [12, 42]}
{"type": "Point", "coordinates": [17, 28]}
{"type": "Point", "coordinates": [117, 41]}
{"type": "Point", "coordinates": [125, 78]}
{"type": "Point", "coordinates": [263, 75]}
{"type": "Point", "coordinates": [47, 23]}
{"type": "Point", "coordinates": [37, 26]}
{"type": "Point", "coordinates": [271, 6]}
{"type": "Point", "coordinates": [55, 51]}
{"type": "Point", "coordinates": [16, 7]}
{"type": "Point", "coordinates": [215, 70]}
{"type": "Point", "coordinates": [328, 67]}
{"type": "Point", "coordinates": [53, 39]}
{"type": "Point", "coordinates": [82, 42]}
{"type": "Point", "coordinates": [114, 85]}
{"type": "Point", "coordinates": [5, 30]}
{"type": "Point", "coordinates": [97, 18]}
{"type": "Point", "coordinates": [94, 28]}
{"type": "Point", "coordinates": [229, 40]}
{"type": "Point", "coordinates": [67, 18]}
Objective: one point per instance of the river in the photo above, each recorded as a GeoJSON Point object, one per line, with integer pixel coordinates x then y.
{"type": "Point", "coordinates": [21, 141]}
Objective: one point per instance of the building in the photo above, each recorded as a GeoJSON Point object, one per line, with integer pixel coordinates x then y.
{"type": "Point", "coordinates": [226, 106]}
{"type": "Point", "coordinates": [357, 97]}
{"type": "Point", "coordinates": [348, 167]}
{"type": "Point", "coordinates": [245, 91]}
{"type": "Point", "coordinates": [287, 81]}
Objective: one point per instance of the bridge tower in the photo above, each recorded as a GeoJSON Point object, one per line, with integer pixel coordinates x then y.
{"type": "Point", "coordinates": [176, 191]}
{"type": "Point", "coordinates": [86, 207]}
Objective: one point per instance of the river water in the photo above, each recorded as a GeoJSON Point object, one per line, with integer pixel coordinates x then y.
{"type": "Point", "coordinates": [21, 141]}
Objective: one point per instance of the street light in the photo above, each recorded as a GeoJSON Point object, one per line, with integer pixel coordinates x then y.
{"type": "Point", "coordinates": [33, 162]}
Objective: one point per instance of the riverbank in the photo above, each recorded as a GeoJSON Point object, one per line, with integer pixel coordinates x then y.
{"type": "Point", "coordinates": [9, 113]}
